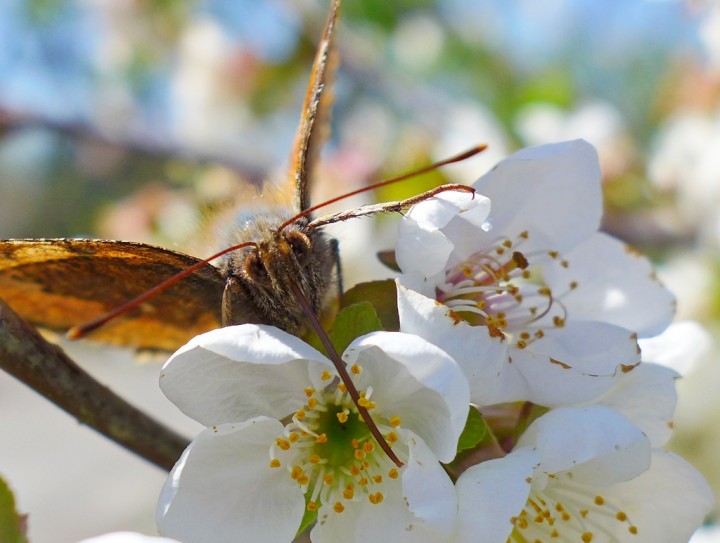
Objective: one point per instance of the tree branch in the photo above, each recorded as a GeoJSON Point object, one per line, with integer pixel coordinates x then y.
{"type": "Point", "coordinates": [46, 368]}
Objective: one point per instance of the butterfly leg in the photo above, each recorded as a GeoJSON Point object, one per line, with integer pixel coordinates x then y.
{"type": "Point", "coordinates": [236, 304]}
{"type": "Point", "coordinates": [335, 253]}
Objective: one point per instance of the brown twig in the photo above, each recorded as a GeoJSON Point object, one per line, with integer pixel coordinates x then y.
{"type": "Point", "coordinates": [45, 368]}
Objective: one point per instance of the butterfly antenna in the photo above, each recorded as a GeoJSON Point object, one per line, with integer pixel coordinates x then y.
{"type": "Point", "coordinates": [430, 167]}
{"type": "Point", "coordinates": [77, 332]}
{"type": "Point", "coordinates": [343, 373]}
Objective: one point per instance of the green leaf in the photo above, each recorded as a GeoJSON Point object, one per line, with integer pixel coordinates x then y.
{"type": "Point", "coordinates": [474, 432]}
{"type": "Point", "coordinates": [352, 322]}
{"type": "Point", "coordinates": [383, 297]}
{"type": "Point", "coordinates": [12, 524]}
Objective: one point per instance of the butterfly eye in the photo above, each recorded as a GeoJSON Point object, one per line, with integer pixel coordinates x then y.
{"type": "Point", "coordinates": [255, 269]}
{"type": "Point", "coordinates": [300, 245]}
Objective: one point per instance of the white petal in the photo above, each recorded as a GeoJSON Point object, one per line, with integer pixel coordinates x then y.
{"type": "Point", "coordinates": [575, 363]}
{"type": "Point", "coordinates": [424, 251]}
{"type": "Point", "coordinates": [416, 381]}
{"type": "Point", "coordinates": [679, 347]}
{"type": "Point", "coordinates": [666, 503]}
{"type": "Point", "coordinates": [615, 284]}
{"type": "Point", "coordinates": [481, 357]}
{"type": "Point", "coordinates": [428, 489]}
{"type": "Point", "coordinates": [597, 443]}
{"type": "Point", "coordinates": [542, 380]}
{"type": "Point", "coordinates": [491, 494]}
{"type": "Point", "coordinates": [591, 347]}
{"type": "Point", "coordinates": [647, 396]}
{"type": "Point", "coordinates": [223, 490]}
{"type": "Point", "coordinates": [422, 244]}
{"type": "Point", "coordinates": [128, 537]}
{"type": "Point", "coordinates": [421, 510]}
{"type": "Point", "coordinates": [551, 190]}
{"type": "Point", "coordinates": [238, 372]}
{"type": "Point", "coordinates": [435, 213]}
{"type": "Point", "coordinates": [420, 507]}
{"type": "Point", "coordinates": [332, 527]}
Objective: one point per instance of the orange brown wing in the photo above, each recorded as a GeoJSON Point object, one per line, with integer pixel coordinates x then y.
{"type": "Point", "coordinates": [315, 119]}
{"type": "Point", "coordinates": [59, 283]}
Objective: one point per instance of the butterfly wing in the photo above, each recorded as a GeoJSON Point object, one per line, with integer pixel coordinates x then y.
{"type": "Point", "coordinates": [59, 283]}
{"type": "Point", "coordinates": [315, 120]}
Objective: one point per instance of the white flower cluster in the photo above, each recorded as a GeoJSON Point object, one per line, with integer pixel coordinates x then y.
{"type": "Point", "coordinates": [510, 303]}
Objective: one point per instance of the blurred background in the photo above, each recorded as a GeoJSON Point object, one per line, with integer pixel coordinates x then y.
{"type": "Point", "coordinates": [137, 120]}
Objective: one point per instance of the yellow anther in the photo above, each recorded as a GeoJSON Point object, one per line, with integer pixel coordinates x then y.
{"type": "Point", "coordinates": [284, 444]}
{"type": "Point", "coordinates": [391, 437]}
{"type": "Point", "coordinates": [586, 537]}
{"type": "Point", "coordinates": [364, 402]}
{"type": "Point", "coordinates": [622, 517]}
{"type": "Point", "coordinates": [599, 500]}
{"type": "Point", "coordinates": [553, 254]}
{"type": "Point", "coordinates": [507, 243]}
{"type": "Point", "coordinates": [368, 446]}
{"type": "Point", "coordinates": [394, 421]}
{"type": "Point", "coordinates": [300, 414]}
{"type": "Point", "coordinates": [521, 344]}
{"type": "Point", "coordinates": [359, 454]}
{"type": "Point", "coordinates": [377, 479]}
{"type": "Point", "coordinates": [293, 438]}
{"type": "Point", "coordinates": [322, 438]}
{"type": "Point", "coordinates": [296, 472]}
{"type": "Point", "coordinates": [309, 391]}
{"type": "Point", "coordinates": [343, 416]}
{"type": "Point", "coordinates": [325, 375]}
{"type": "Point", "coordinates": [356, 369]}
{"type": "Point", "coordinates": [393, 473]}
{"type": "Point", "coordinates": [349, 493]}
{"type": "Point", "coordinates": [338, 507]}
{"type": "Point", "coordinates": [312, 403]}
{"type": "Point", "coordinates": [342, 388]}
{"type": "Point", "coordinates": [355, 443]}
{"type": "Point", "coordinates": [364, 481]}
{"type": "Point", "coordinates": [328, 479]}
{"type": "Point", "coordinates": [312, 506]}
{"type": "Point", "coordinates": [355, 470]}
{"type": "Point", "coordinates": [275, 463]}
{"type": "Point", "coordinates": [376, 498]}
{"type": "Point", "coordinates": [315, 458]}
{"type": "Point", "coordinates": [633, 530]}
{"type": "Point", "coordinates": [558, 322]}
{"type": "Point", "coordinates": [573, 285]}
{"type": "Point", "coordinates": [303, 480]}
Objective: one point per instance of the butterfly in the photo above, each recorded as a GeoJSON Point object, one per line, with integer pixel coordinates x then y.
{"type": "Point", "coordinates": [58, 283]}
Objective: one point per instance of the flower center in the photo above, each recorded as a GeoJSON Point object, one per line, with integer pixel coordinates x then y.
{"type": "Point", "coordinates": [566, 511]}
{"type": "Point", "coordinates": [502, 288]}
{"type": "Point", "coordinates": [329, 452]}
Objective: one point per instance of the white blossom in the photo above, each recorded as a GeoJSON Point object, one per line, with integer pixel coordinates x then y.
{"type": "Point", "coordinates": [284, 438]}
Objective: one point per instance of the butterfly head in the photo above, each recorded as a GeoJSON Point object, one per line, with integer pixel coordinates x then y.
{"type": "Point", "coordinates": [260, 278]}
